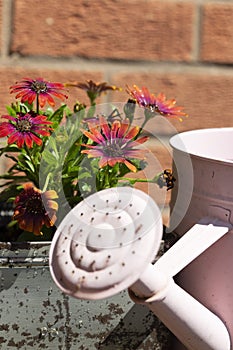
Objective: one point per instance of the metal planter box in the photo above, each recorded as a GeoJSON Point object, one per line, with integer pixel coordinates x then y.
{"type": "Point", "coordinates": [35, 314]}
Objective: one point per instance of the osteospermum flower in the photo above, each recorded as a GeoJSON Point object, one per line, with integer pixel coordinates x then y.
{"type": "Point", "coordinates": [93, 89]}
{"type": "Point", "coordinates": [114, 143]}
{"type": "Point", "coordinates": [142, 96]}
{"type": "Point", "coordinates": [28, 89]}
{"type": "Point", "coordinates": [168, 108]}
{"type": "Point", "coordinates": [25, 128]}
{"type": "Point", "coordinates": [34, 209]}
{"type": "Point", "coordinates": [157, 103]}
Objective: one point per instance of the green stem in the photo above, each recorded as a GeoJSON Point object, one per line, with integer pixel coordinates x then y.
{"type": "Point", "coordinates": [148, 115]}
{"type": "Point", "coordinates": [37, 104]}
{"type": "Point", "coordinates": [134, 180]}
{"type": "Point", "coordinates": [106, 179]}
{"type": "Point", "coordinates": [143, 125]}
{"type": "Point", "coordinates": [34, 166]}
{"type": "Point", "coordinates": [46, 182]}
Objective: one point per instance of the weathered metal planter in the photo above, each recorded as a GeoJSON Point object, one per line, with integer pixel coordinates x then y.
{"type": "Point", "coordinates": [36, 315]}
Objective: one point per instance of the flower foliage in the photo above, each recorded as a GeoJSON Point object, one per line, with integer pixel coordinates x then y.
{"type": "Point", "coordinates": [59, 156]}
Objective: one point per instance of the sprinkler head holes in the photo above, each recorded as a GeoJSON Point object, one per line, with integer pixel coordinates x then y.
{"type": "Point", "coordinates": [104, 244]}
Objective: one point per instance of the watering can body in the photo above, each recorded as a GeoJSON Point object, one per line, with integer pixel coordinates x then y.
{"type": "Point", "coordinates": [205, 190]}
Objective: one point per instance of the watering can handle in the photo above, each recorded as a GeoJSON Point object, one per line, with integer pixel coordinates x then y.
{"type": "Point", "coordinates": [194, 242]}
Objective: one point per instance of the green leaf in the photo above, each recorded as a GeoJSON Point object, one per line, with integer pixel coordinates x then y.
{"type": "Point", "coordinates": [9, 148]}
{"type": "Point", "coordinates": [49, 158]}
{"type": "Point", "coordinates": [30, 166]}
{"type": "Point", "coordinates": [86, 188]}
{"type": "Point", "coordinates": [18, 107]}
{"type": "Point", "coordinates": [52, 144]}
{"type": "Point", "coordinates": [57, 116]}
{"type": "Point", "coordinates": [11, 176]}
{"type": "Point", "coordinates": [10, 192]}
{"type": "Point", "coordinates": [72, 171]}
{"type": "Point", "coordinates": [11, 110]}
{"type": "Point", "coordinates": [74, 156]}
{"type": "Point", "coordinates": [85, 175]}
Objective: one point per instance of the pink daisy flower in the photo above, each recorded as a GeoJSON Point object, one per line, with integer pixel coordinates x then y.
{"type": "Point", "coordinates": [158, 103]}
{"type": "Point", "coordinates": [114, 143]}
{"type": "Point", "coordinates": [25, 128]}
{"type": "Point", "coordinates": [29, 89]}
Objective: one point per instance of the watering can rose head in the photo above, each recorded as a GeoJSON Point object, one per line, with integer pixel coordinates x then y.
{"type": "Point", "coordinates": [59, 156]}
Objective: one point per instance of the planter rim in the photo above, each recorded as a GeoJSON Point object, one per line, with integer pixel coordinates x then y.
{"type": "Point", "coordinates": [24, 245]}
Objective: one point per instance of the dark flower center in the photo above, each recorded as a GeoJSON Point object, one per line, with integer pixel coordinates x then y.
{"type": "Point", "coordinates": [23, 125]}
{"type": "Point", "coordinates": [35, 205]}
{"type": "Point", "coordinates": [39, 86]}
{"type": "Point", "coordinates": [113, 150]}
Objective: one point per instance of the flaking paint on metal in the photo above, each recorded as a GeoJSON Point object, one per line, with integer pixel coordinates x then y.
{"type": "Point", "coordinates": [30, 302]}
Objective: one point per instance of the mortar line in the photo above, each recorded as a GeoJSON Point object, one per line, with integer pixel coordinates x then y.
{"type": "Point", "coordinates": [7, 11]}
{"type": "Point", "coordinates": [197, 33]}
{"type": "Point", "coordinates": [109, 67]}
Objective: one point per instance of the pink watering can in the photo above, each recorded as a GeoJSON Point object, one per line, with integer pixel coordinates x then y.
{"type": "Point", "coordinates": [108, 241]}
{"type": "Point", "coordinates": [206, 191]}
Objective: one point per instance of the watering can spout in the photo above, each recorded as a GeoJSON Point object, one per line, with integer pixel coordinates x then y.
{"type": "Point", "coordinates": [192, 323]}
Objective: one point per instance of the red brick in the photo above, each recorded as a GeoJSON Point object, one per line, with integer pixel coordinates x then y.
{"type": "Point", "coordinates": [217, 33]}
{"type": "Point", "coordinates": [1, 15]}
{"type": "Point", "coordinates": [207, 98]}
{"type": "Point", "coordinates": [10, 75]}
{"type": "Point", "coordinates": [146, 30]}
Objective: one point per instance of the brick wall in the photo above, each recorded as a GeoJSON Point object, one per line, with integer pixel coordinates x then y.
{"type": "Point", "coordinates": [183, 48]}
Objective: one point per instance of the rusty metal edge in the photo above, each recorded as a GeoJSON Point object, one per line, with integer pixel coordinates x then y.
{"type": "Point", "coordinates": [12, 246]}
